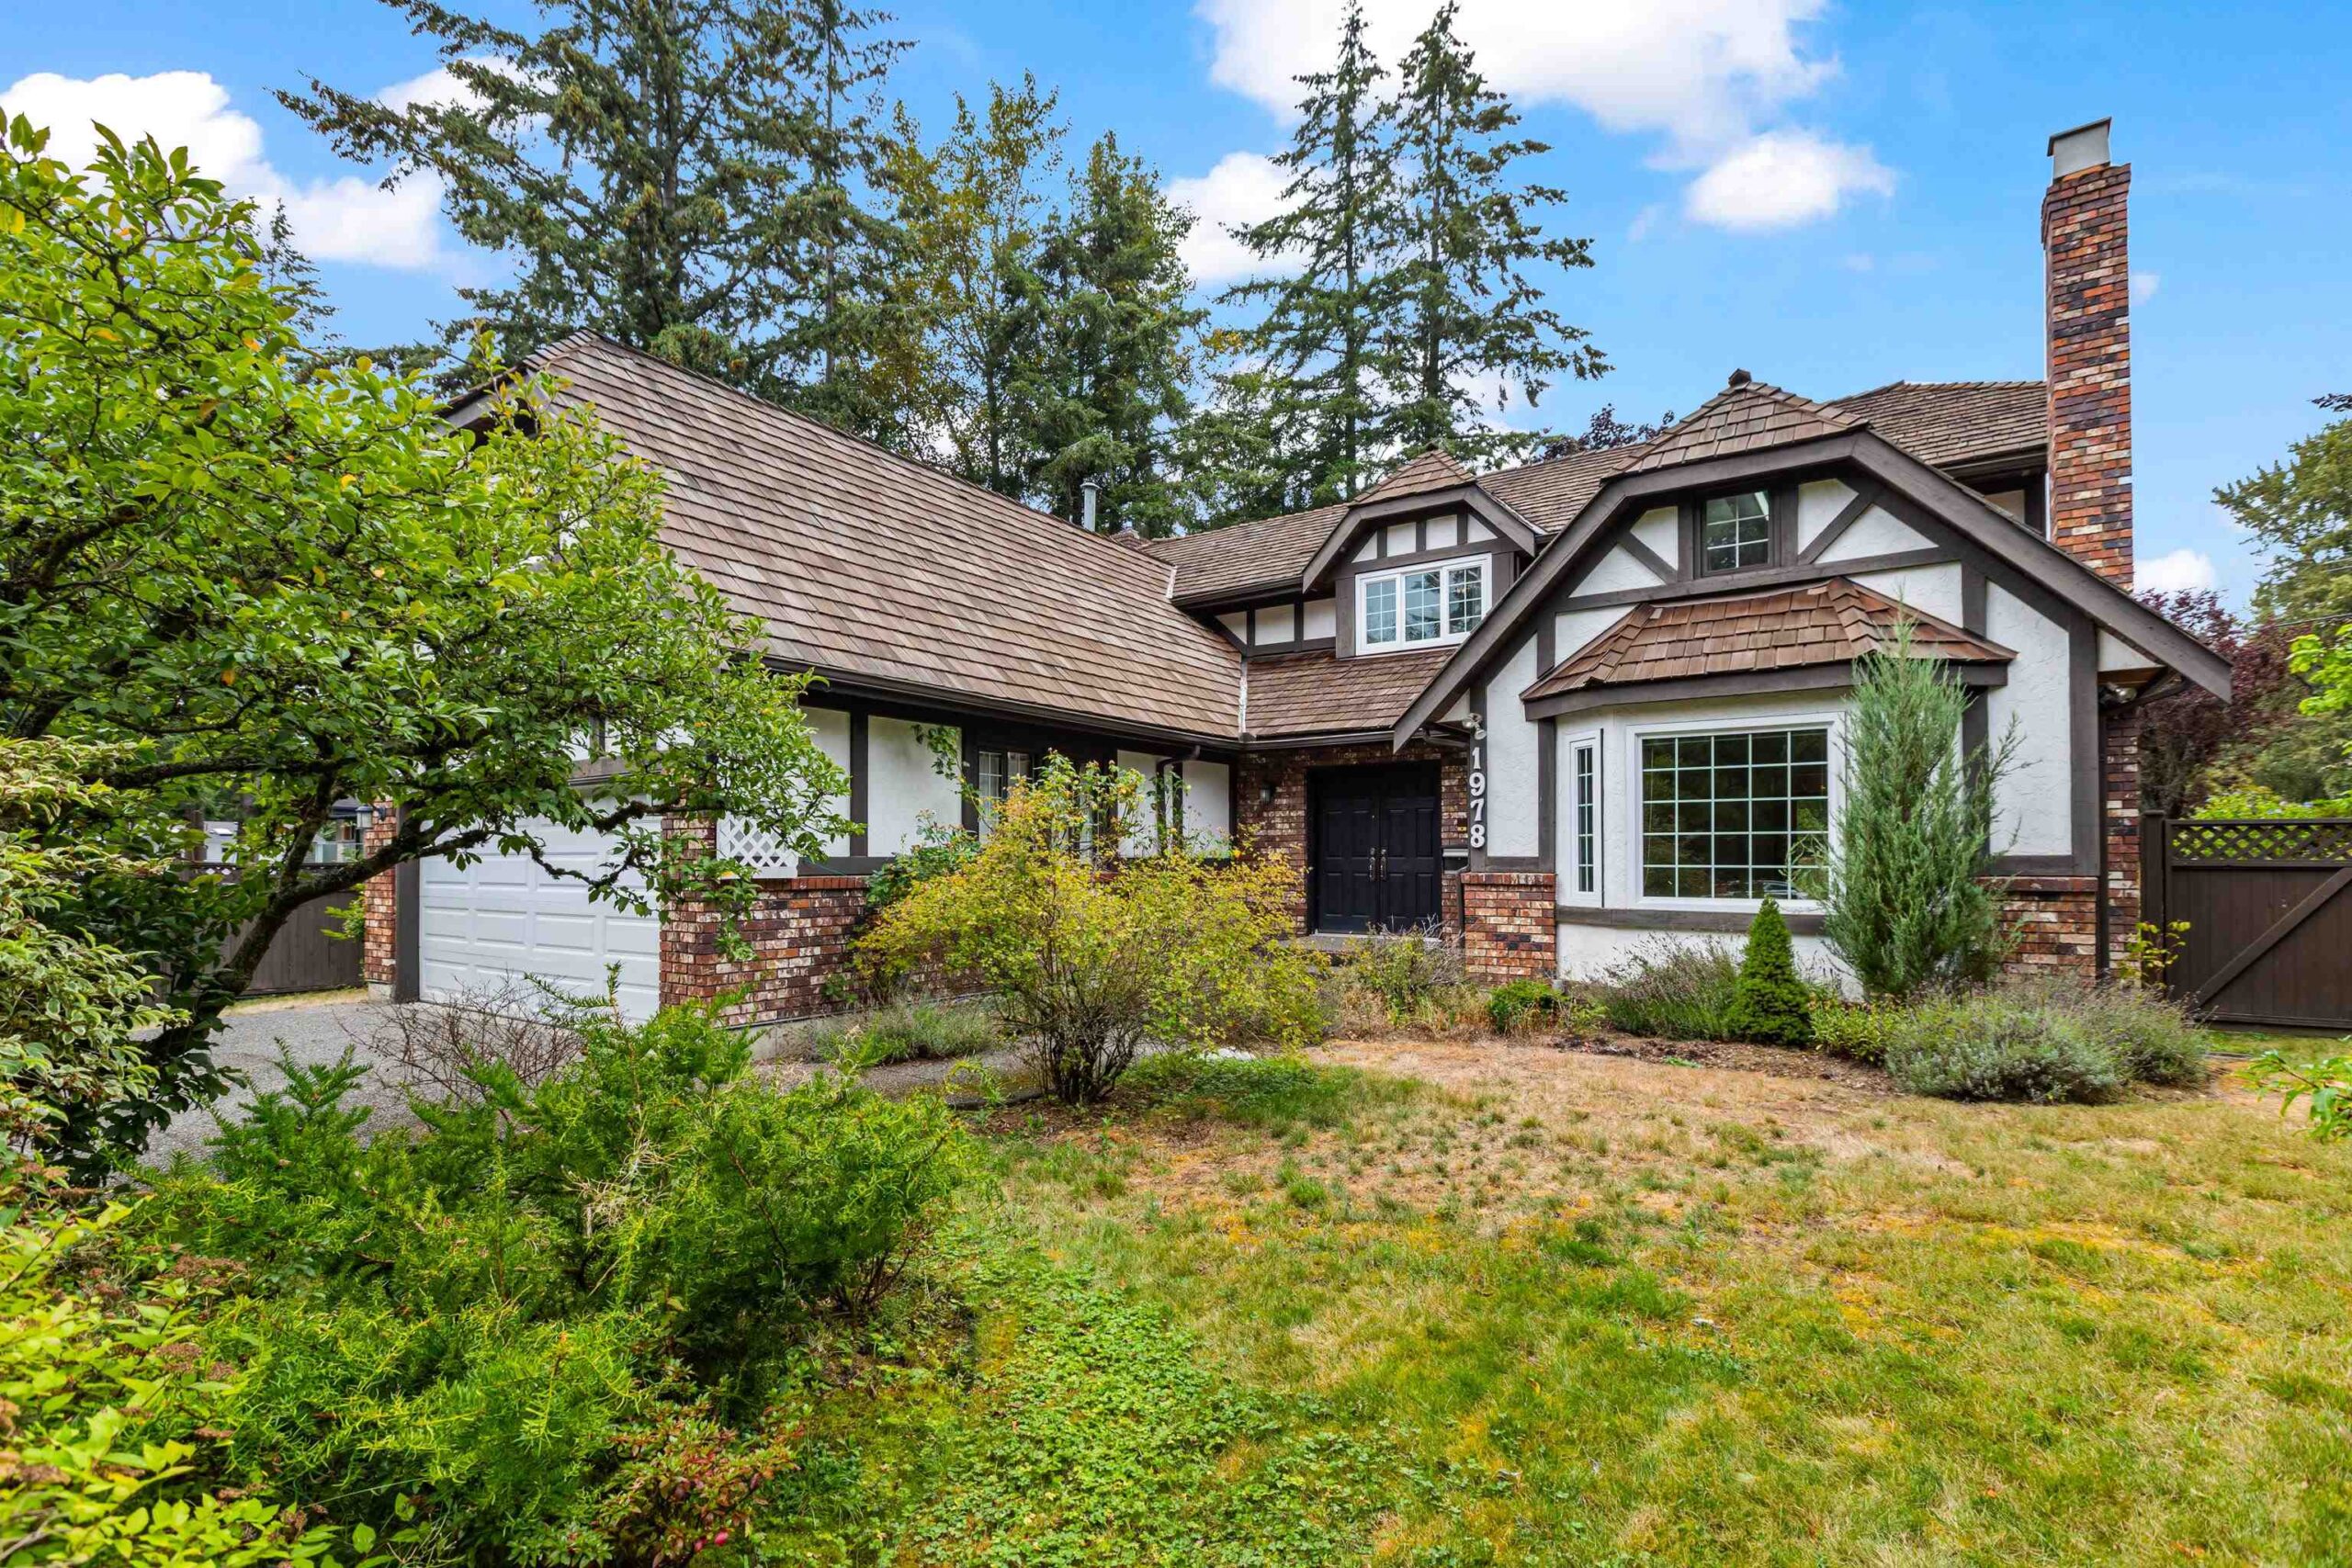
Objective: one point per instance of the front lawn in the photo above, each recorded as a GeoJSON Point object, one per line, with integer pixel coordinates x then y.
{"type": "Point", "coordinates": [1539, 1306]}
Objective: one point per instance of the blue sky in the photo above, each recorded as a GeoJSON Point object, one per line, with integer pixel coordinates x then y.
{"type": "Point", "coordinates": [1830, 195]}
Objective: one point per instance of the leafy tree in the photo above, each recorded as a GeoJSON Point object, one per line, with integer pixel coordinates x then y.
{"type": "Point", "coordinates": [683, 178]}
{"type": "Point", "coordinates": [1089, 951]}
{"type": "Point", "coordinates": [1903, 902]}
{"type": "Point", "coordinates": [975, 213]}
{"type": "Point", "coordinates": [1604, 431]}
{"type": "Point", "coordinates": [70, 1006]}
{"type": "Point", "coordinates": [1116, 378]}
{"type": "Point", "coordinates": [1322, 335]}
{"type": "Point", "coordinates": [1771, 1005]}
{"type": "Point", "coordinates": [1470, 316]}
{"type": "Point", "coordinates": [260, 580]}
{"type": "Point", "coordinates": [2300, 513]}
{"type": "Point", "coordinates": [2194, 744]}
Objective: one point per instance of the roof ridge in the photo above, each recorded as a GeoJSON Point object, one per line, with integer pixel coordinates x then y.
{"type": "Point", "coordinates": [574, 341]}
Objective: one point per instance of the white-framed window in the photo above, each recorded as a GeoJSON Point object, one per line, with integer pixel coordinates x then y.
{"type": "Point", "coordinates": [994, 773]}
{"type": "Point", "coordinates": [1731, 814]}
{"type": "Point", "coordinates": [1735, 532]}
{"type": "Point", "coordinates": [1581, 879]}
{"type": "Point", "coordinates": [1420, 607]}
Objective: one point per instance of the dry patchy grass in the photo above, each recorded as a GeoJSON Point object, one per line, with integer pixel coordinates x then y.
{"type": "Point", "coordinates": [1643, 1312]}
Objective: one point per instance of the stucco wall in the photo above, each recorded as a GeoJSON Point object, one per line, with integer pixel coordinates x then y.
{"type": "Point", "coordinates": [905, 786]}
{"type": "Point", "coordinates": [1208, 804]}
{"type": "Point", "coordinates": [1589, 952]}
{"type": "Point", "coordinates": [2035, 802]}
{"type": "Point", "coordinates": [1513, 812]}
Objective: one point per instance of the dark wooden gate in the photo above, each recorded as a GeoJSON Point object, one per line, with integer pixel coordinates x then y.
{"type": "Point", "coordinates": [2268, 906]}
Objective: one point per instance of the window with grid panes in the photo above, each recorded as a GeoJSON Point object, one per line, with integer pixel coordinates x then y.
{"type": "Point", "coordinates": [1732, 815]}
{"type": "Point", "coordinates": [1427, 604]}
{"type": "Point", "coordinates": [1736, 531]}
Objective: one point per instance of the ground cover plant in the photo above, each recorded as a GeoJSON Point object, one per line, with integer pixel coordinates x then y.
{"type": "Point", "coordinates": [907, 1032]}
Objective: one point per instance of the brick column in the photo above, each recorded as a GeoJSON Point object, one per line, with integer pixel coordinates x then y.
{"type": "Point", "coordinates": [2056, 919]}
{"type": "Point", "coordinates": [798, 929]}
{"type": "Point", "coordinates": [2089, 299]}
{"type": "Point", "coordinates": [378, 960]}
{"type": "Point", "coordinates": [2120, 826]}
{"type": "Point", "coordinates": [1511, 925]}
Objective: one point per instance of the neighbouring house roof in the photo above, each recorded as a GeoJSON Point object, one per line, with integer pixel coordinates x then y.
{"type": "Point", "coordinates": [1819, 622]}
{"type": "Point", "coordinates": [1317, 694]}
{"type": "Point", "coordinates": [1949, 424]}
{"type": "Point", "coordinates": [872, 568]}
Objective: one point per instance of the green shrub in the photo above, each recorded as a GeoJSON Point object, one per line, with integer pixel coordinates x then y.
{"type": "Point", "coordinates": [908, 1032]}
{"type": "Point", "coordinates": [536, 1319]}
{"type": "Point", "coordinates": [1770, 1006]}
{"type": "Point", "coordinates": [2152, 1039]}
{"type": "Point", "coordinates": [1902, 901]}
{"type": "Point", "coordinates": [1673, 990]}
{"type": "Point", "coordinates": [938, 850]}
{"type": "Point", "coordinates": [2325, 1085]}
{"type": "Point", "coordinates": [1991, 1046]}
{"type": "Point", "coordinates": [1856, 1030]}
{"type": "Point", "coordinates": [1089, 954]}
{"type": "Point", "coordinates": [113, 1412]}
{"type": "Point", "coordinates": [1522, 1004]}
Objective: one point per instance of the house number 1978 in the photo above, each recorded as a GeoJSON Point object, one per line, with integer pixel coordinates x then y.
{"type": "Point", "coordinates": [1478, 795]}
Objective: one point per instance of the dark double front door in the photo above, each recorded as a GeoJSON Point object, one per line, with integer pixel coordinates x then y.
{"type": "Point", "coordinates": [1373, 853]}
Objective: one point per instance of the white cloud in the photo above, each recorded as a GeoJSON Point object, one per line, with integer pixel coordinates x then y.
{"type": "Point", "coordinates": [1242, 188]}
{"type": "Point", "coordinates": [1708, 77]}
{"type": "Point", "coordinates": [439, 86]}
{"type": "Point", "coordinates": [1784, 178]}
{"type": "Point", "coordinates": [342, 218]}
{"type": "Point", "coordinates": [2175, 571]}
{"type": "Point", "coordinates": [2144, 285]}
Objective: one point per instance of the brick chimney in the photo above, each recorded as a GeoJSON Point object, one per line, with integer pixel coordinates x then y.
{"type": "Point", "coordinates": [2088, 293]}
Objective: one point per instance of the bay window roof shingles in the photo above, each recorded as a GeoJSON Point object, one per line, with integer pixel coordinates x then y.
{"type": "Point", "coordinates": [1786, 628]}
{"type": "Point", "coordinates": [864, 564]}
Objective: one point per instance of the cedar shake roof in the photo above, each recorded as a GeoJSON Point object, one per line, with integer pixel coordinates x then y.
{"type": "Point", "coordinates": [1822, 623]}
{"type": "Point", "coordinates": [864, 564]}
{"type": "Point", "coordinates": [1744, 417]}
{"type": "Point", "coordinates": [1433, 470]}
{"type": "Point", "coordinates": [1942, 423]}
{"type": "Point", "coordinates": [1317, 694]}
{"type": "Point", "coordinates": [1244, 557]}
{"type": "Point", "coordinates": [1947, 423]}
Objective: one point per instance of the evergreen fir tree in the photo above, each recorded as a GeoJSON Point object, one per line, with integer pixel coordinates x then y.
{"type": "Point", "coordinates": [1241, 452]}
{"type": "Point", "coordinates": [683, 177]}
{"type": "Point", "coordinates": [1468, 315]}
{"type": "Point", "coordinates": [977, 213]}
{"type": "Point", "coordinates": [1770, 1008]}
{"type": "Point", "coordinates": [1117, 375]}
{"type": "Point", "coordinates": [1325, 323]}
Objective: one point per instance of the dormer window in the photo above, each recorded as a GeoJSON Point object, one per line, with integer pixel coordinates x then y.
{"type": "Point", "coordinates": [1735, 532]}
{"type": "Point", "coordinates": [1420, 607]}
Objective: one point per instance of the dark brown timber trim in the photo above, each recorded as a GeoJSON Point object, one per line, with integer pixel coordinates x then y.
{"type": "Point", "coordinates": [1800, 924]}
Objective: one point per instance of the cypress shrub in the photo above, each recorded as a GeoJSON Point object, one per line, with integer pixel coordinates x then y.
{"type": "Point", "coordinates": [1900, 901]}
{"type": "Point", "coordinates": [1770, 1008]}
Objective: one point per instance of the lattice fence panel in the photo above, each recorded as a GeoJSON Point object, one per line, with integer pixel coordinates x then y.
{"type": "Point", "coordinates": [764, 852]}
{"type": "Point", "coordinates": [2255, 840]}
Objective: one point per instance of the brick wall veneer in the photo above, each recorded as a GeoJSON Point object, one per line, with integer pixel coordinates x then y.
{"type": "Point", "coordinates": [1513, 926]}
{"type": "Point", "coordinates": [799, 931]}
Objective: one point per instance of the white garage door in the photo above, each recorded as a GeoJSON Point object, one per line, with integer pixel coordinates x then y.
{"type": "Point", "coordinates": [492, 923]}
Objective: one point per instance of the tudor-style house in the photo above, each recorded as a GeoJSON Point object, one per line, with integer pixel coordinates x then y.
{"type": "Point", "coordinates": [1552, 710]}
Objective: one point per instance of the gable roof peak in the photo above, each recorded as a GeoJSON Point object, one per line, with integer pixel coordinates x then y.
{"type": "Point", "coordinates": [1433, 470]}
{"type": "Point", "coordinates": [1744, 416]}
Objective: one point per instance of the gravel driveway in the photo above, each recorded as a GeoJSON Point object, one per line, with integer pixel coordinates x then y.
{"type": "Point", "coordinates": [313, 1029]}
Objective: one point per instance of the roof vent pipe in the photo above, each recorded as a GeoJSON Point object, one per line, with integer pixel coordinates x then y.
{"type": "Point", "coordinates": [1087, 490]}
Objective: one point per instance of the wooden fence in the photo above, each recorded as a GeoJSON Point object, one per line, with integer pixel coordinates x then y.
{"type": "Point", "coordinates": [2269, 907]}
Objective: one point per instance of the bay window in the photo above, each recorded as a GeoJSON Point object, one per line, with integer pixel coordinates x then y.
{"type": "Point", "coordinates": [1733, 816]}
